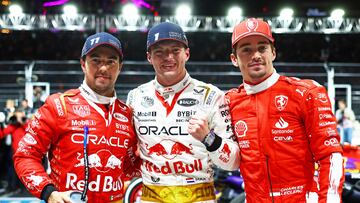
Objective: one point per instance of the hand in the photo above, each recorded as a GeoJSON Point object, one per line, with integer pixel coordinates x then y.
{"type": "Point", "coordinates": [60, 197]}
{"type": "Point", "coordinates": [198, 127]}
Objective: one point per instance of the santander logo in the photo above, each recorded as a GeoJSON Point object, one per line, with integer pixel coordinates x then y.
{"type": "Point", "coordinates": [281, 123]}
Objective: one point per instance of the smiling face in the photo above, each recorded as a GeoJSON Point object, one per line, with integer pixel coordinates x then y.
{"type": "Point", "coordinates": [254, 55]}
{"type": "Point", "coordinates": [168, 58]}
{"type": "Point", "coordinates": [101, 68]}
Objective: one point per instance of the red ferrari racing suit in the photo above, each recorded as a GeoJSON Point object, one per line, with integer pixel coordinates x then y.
{"type": "Point", "coordinates": [176, 167]}
{"type": "Point", "coordinates": [284, 125]}
{"type": "Point", "coordinates": [58, 127]}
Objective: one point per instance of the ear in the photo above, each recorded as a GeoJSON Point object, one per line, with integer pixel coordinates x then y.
{"type": "Point", "coordinates": [234, 60]}
{"type": "Point", "coordinates": [148, 56]}
{"type": "Point", "coordinates": [274, 54]}
{"type": "Point", "coordinates": [187, 53]}
{"type": "Point", "coordinates": [83, 67]}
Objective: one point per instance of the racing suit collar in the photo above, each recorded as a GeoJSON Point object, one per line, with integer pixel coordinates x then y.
{"type": "Point", "coordinates": [89, 94]}
{"type": "Point", "coordinates": [270, 81]}
{"type": "Point", "coordinates": [174, 88]}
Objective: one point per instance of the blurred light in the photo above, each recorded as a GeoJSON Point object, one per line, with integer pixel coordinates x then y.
{"type": "Point", "coordinates": [129, 10]}
{"type": "Point", "coordinates": [70, 10]}
{"type": "Point", "coordinates": [234, 12]}
{"type": "Point", "coordinates": [183, 11]}
{"type": "Point", "coordinates": [5, 3]}
{"type": "Point", "coordinates": [15, 9]}
{"type": "Point", "coordinates": [5, 31]}
{"type": "Point", "coordinates": [337, 13]}
{"type": "Point", "coordinates": [286, 13]}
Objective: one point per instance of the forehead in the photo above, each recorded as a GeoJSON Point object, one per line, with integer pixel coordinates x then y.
{"type": "Point", "coordinates": [166, 44]}
{"type": "Point", "coordinates": [252, 40]}
{"type": "Point", "coordinates": [103, 50]}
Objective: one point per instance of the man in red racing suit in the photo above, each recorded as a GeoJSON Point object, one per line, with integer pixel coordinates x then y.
{"type": "Point", "coordinates": [65, 121]}
{"type": "Point", "coordinates": [284, 126]}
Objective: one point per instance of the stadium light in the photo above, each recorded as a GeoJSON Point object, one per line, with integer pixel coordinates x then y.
{"type": "Point", "coordinates": [130, 10]}
{"type": "Point", "coordinates": [234, 12]}
{"type": "Point", "coordinates": [15, 9]}
{"type": "Point", "coordinates": [183, 11]}
{"type": "Point", "coordinates": [337, 13]}
{"type": "Point", "coordinates": [286, 13]}
{"type": "Point", "coordinates": [70, 10]}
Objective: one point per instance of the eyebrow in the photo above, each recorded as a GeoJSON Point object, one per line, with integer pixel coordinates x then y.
{"type": "Point", "coordinates": [260, 43]}
{"type": "Point", "coordinates": [97, 55]}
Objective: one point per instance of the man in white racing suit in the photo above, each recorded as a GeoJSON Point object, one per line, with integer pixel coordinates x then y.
{"type": "Point", "coordinates": [171, 115]}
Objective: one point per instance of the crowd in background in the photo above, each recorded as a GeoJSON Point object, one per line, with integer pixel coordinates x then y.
{"type": "Point", "coordinates": [14, 119]}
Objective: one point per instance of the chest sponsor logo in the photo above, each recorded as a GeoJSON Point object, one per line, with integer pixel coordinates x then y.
{"type": "Point", "coordinates": [244, 144]}
{"type": "Point", "coordinates": [331, 132]}
{"type": "Point", "coordinates": [283, 138]}
{"type": "Point", "coordinates": [225, 153]}
{"type": "Point", "coordinates": [333, 142]}
{"type": "Point", "coordinates": [210, 98]}
{"type": "Point", "coordinates": [281, 126]}
{"type": "Point", "coordinates": [81, 110]}
{"type": "Point", "coordinates": [199, 91]}
{"type": "Point", "coordinates": [281, 102]}
{"type": "Point", "coordinates": [322, 124]}
{"type": "Point", "coordinates": [171, 167]}
{"type": "Point", "coordinates": [58, 107]}
{"type": "Point", "coordinates": [120, 117]}
{"type": "Point", "coordinates": [158, 130]}
{"type": "Point", "coordinates": [240, 128]}
{"type": "Point", "coordinates": [187, 102]}
{"type": "Point", "coordinates": [281, 123]}
{"type": "Point", "coordinates": [147, 101]}
{"type": "Point", "coordinates": [73, 101]}
{"type": "Point", "coordinates": [83, 122]}
{"type": "Point", "coordinates": [301, 92]}
{"type": "Point", "coordinates": [78, 138]}
{"type": "Point", "coordinates": [322, 97]}
{"type": "Point", "coordinates": [146, 114]}
{"type": "Point", "coordinates": [100, 184]}
{"type": "Point", "coordinates": [29, 139]}
{"type": "Point", "coordinates": [325, 116]}
{"type": "Point", "coordinates": [103, 161]}
{"type": "Point", "coordinates": [185, 114]}
{"type": "Point", "coordinates": [324, 109]}
{"type": "Point", "coordinates": [169, 149]}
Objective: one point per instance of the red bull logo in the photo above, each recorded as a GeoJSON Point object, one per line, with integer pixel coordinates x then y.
{"type": "Point", "coordinates": [177, 148]}
{"type": "Point", "coordinates": [178, 167]}
{"type": "Point", "coordinates": [225, 153]}
{"type": "Point", "coordinates": [102, 161]}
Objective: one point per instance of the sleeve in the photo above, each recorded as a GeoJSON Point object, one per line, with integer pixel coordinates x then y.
{"type": "Point", "coordinates": [225, 151]}
{"type": "Point", "coordinates": [7, 130]}
{"type": "Point", "coordinates": [33, 147]}
{"type": "Point", "coordinates": [132, 159]}
{"type": "Point", "coordinates": [324, 140]}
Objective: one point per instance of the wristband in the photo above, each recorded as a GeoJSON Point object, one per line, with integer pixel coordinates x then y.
{"type": "Point", "coordinates": [212, 141]}
{"type": "Point", "coordinates": [209, 138]}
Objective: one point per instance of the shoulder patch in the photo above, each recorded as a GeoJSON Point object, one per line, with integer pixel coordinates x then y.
{"type": "Point", "coordinates": [306, 83]}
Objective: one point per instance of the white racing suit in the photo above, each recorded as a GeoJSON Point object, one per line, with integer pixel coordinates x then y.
{"type": "Point", "coordinates": [176, 167]}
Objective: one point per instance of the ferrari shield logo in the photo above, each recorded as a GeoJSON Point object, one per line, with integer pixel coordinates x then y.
{"type": "Point", "coordinates": [281, 102]}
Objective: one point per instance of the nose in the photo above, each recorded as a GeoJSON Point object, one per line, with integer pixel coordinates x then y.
{"type": "Point", "coordinates": [256, 56]}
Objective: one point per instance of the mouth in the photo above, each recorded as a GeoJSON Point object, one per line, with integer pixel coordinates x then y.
{"type": "Point", "coordinates": [255, 65]}
{"type": "Point", "coordinates": [169, 66]}
{"type": "Point", "coordinates": [103, 77]}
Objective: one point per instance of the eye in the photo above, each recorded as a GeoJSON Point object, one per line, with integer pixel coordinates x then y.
{"type": "Point", "coordinates": [111, 62]}
{"type": "Point", "coordinates": [262, 49]}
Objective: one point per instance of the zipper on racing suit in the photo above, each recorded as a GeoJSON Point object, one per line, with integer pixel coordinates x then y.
{"type": "Point", "coordinates": [269, 179]}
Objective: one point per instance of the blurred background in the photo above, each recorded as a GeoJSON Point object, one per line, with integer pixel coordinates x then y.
{"type": "Point", "coordinates": [41, 42]}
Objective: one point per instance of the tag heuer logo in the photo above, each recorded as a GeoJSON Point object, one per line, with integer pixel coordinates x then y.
{"type": "Point", "coordinates": [81, 110]}
{"type": "Point", "coordinates": [147, 101]}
